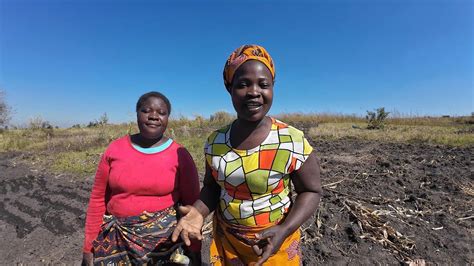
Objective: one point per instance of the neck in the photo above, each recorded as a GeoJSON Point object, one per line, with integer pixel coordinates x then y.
{"type": "Point", "coordinates": [249, 126]}
{"type": "Point", "coordinates": [147, 142]}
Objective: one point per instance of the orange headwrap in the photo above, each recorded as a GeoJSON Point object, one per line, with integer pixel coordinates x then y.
{"type": "Point", "coordinates": [243, 54]}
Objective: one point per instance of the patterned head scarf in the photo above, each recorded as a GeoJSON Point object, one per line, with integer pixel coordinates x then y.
{"type": "Point", "coordinates": [242, 55]}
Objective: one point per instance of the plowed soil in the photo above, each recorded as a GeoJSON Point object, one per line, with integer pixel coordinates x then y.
{"type": "Point", "coordinates": [383, 203]}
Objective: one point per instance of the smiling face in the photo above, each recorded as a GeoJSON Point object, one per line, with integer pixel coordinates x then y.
{"type": "Point", "coordinates": [152, 117]}
{"type": "Point", "coordinates": [252, 91]}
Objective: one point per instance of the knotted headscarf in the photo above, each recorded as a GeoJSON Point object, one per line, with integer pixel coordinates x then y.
{"type": "Point", "coordinates": [242, 55]}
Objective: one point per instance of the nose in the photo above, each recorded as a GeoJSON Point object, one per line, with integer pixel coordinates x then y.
{"type": "Point", "coordinates": [254, 90]}
{"type": "Point", "coordinates": [153, 116]}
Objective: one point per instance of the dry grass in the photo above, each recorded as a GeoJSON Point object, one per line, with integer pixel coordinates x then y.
{"type": "Point", "coordinates": [445, 134]}
{"type": "Point", "coordinates": [375, 228]}
{"type": "Point", "coordinates": [77, 150]}
{"type": "Point", "coordinates": [313, 118]}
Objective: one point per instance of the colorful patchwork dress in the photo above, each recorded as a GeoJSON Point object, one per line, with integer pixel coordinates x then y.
{"type": "Point", "coordinates": [255, 192]}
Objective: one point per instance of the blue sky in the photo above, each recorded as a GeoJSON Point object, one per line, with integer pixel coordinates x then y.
{"type": "Point", "coordinates": [71, 61]}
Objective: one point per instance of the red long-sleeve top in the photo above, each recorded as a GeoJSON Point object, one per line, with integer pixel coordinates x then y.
{"type": "Point", "coordinates": [129, 182]}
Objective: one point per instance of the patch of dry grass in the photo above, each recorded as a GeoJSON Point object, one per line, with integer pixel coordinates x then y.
{"type": "Point", "coordinates": [77, 150]}
{"type": "Point", "coordinates": [314, 118]}
{"type": "Point", "coordinates": [445, 135]}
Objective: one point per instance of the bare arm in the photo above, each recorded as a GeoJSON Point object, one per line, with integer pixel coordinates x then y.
{"type": "Point", "coordinates": [209, 196]}
{"type": "Point", "coordinates": [307, 183]}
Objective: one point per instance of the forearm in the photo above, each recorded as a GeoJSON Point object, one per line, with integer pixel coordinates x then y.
{"type": "Point", "coordinates": [304, 206]}
{"type": "Point", "coordinates": [208, 199]}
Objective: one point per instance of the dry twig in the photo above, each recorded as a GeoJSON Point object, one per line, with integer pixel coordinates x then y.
{"type": "Point", "coordinates": [375, 229]}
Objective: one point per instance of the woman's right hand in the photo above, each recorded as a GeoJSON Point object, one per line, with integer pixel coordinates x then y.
{"type": "Point", "coordinates": [189, 226]}
{"type": "Point", "coordinates": [87, 259]}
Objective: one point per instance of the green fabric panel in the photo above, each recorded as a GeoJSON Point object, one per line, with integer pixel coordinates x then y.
{"type": "Point", "coordinates": [231, 166]}
{"type": "Point", "coordinates": [275, 215]}
{"type": "Point", "coordinates": [281, 159]}
{"type": "Point", "coordinates": [257, 181]}
{"type": "Point", "coordinates": [285, 138]}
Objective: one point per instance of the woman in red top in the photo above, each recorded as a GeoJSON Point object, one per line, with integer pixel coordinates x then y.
{"type": "Point", "coordinates": [139, 181]}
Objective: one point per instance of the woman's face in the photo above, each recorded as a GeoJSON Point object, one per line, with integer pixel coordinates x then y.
{"type": "Point", "coordinates": [252, 91]}
{"type": "Point", "coordinates": [152, 118]}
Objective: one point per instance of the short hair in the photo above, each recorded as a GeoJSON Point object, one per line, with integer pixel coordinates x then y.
{"type": "Point", "coordinates": [156, 94]}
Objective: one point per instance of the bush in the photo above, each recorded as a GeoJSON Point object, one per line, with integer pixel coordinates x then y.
{"type": "Point", "coordinates": [221, 117]}
{"type": "Point", "coordinates": [376, 120]}
{"type": "Point", "coordinates": [102, 121]}
{"type": "Point", "coordinates": [4, 111]}
{"type": "Point", "coordinates": [39, 123]}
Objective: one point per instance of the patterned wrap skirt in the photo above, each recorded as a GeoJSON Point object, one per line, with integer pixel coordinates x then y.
{"type": "Point", "coordinates": [136, 240]}
{"type": "Point", "coordinates": [232, 245]}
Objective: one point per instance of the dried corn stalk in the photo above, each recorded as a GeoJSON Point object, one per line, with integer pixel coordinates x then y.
{"type": "Point", "coordinates": [375, 229]}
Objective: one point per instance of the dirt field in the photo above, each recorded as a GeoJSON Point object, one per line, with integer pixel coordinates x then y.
{"type": "Point", "coordinates": [383, 203]}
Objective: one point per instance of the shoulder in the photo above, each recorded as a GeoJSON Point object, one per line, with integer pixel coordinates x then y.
{"type": "Point", "coordinates": [118, 144]}
{"type": "Point", "coordinates": [286, 129]}
{"type": "Point", "coordinates": [218, 136]}
{"type": "Point", "coordinates": [291, 138]}
{"type": "Point", "coordinates": [177, 148]}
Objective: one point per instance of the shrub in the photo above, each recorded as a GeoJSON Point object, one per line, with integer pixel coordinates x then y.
{"type": "Point", "coordinates": [376, 120]}
{"type": "Point", "coordinates": [4, 110]}
{"type": "Point", "coordinates": [221, 117]}
{"type": "Point", "coordinates": [102, 121]}
{"type": "Point", "coordinates": [39, 123]}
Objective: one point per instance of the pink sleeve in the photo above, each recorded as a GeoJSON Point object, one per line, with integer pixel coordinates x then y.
{"type": "Point", "coordinates": [188, 185]}
{"type": "Point", "coordinates": [96, 208]}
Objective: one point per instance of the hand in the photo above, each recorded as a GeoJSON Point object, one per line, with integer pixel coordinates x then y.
{"type": "Point", "coordinates": [269, 242]}
{"type": "Point", "coordinates": [87, 259]}
{"type": "Point", "coordinates": [189, 226]}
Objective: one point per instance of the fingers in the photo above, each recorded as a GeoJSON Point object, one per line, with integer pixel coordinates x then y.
{"type": "Point", "coordinates": [196, 235]}
{"type": "Point", "coordinates": [267, 252]}
{"type": "Point", "coordinates": [257, 250]}
{"type": "Point", "coordinates": [191, 233]}
{"type": "Point", "coordinates": [176, 232]}
{"type": "Point", "coordinates": [185, 237]}
{"type": "Point", "coordinates": [265, 234]}
{"type": "Point", "coordinates": [186, 232]}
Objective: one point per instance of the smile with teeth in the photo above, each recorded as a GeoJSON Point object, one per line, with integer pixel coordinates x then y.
{"type": "Point", "coordinates": [253, 106]}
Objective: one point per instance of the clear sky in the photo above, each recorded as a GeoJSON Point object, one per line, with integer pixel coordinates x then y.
{"type": "Point", "coordinates": [71, 61]}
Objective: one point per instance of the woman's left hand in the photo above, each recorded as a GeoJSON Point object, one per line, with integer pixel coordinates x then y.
{"type": "Point", "coordinates": [269, 242]}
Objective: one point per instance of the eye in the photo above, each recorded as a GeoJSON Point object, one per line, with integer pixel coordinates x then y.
{"type": "Point", "coordinates": [145, 110]}
{"type": "Point", "coordinates": [242, 84]}
{"type": "Point", "coordinates": [265, 85]}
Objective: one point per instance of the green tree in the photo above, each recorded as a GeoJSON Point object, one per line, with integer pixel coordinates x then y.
{"type": "Point", "coordinates": [376, 120]}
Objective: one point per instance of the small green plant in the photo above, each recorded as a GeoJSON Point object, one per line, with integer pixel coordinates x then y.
{"type": "Point", "coordinates": [376, 120]}
{"type": "Point", "coordinates": [102, 121]}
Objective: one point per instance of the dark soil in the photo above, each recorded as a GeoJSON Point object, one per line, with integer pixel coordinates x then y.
{"type": "Point", "coordinates": [383, 203]}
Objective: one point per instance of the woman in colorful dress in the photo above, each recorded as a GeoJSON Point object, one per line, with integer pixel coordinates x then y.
{"type": "Point", "coordinates": [251, 166]}
{"type": "Point", "coordinates": [140, 181]}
